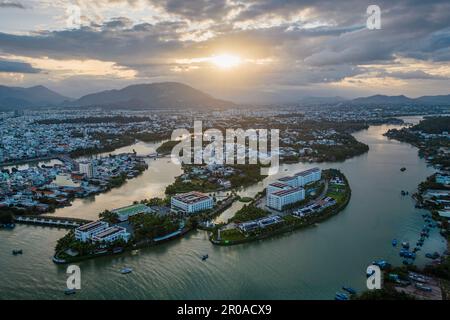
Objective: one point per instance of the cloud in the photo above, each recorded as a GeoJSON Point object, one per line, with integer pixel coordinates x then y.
{"type": "Point", "coordinates": [11, 4]}
{"type": "Point", "coordinates": [308, 43]}
{"type": "Point", "coordinates": [17, 67]}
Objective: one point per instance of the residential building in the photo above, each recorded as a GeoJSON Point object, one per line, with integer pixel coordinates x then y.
{"type": "Point", "coordinates": [86, 231]}
{"type": "Point", "coordinates": [279, 199]}
{"type": "Point", "coordinates": [308, 176]}
{"type": "Point", "coordinates": [277, 186]}
{"type": "Point", "coordinates": [87, 168]}
{"type": "Point", "coordinates": [290, 181]}
{"type": "Point", "coordinates": [191, 202]}
{"type": "Point", "coordinates": [111, 234]}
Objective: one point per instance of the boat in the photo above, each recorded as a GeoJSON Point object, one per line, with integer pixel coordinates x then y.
{"type": "Point", "coordinates": [118, 250]}
{"type": "Point", "coordinates": [134, 252]}
{"type": "Point", "coordinates": [16, 252]}
{"type": "Point", "coordinates": [394, 242]}
{"type": "Point", "coordinates": [405, 245]}
{"type": "Point", "coordinates": [402, 169]}
{"type": "Point", "coordinates": [204, 257]}
{"type": "Point", "coordinates": [340, 296]}
{"type": "Point", "coordinates": [422, 287]}
{"type": "Point", "coordinates": [126, 270]}
{"type": "Point", "coordinates": [10, 226]}
{"type": "Point", "coordinates": [383, 264]}
{"type": "Point", "coordinates": [349, 290]}
{"type": "Point", "coordinates": [69, 292]}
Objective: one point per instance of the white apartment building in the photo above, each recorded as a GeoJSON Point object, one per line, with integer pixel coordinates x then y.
{"type": "Point", "coordinates": [86, 231]}
{"type": "Point", "coordinates": [290, 181]}
{"type": "Point", "coordinates": [111, 234]}
{"type": "Point", "coordinates": [279, 199]}
{"type": "Point", "coordinates": [308, 176]}
{"type": "Point", "coordinates": [191, 202]}
{"type": "Point", "coordinates": [87, 168]}
{"type": "Point", "coordinates": [277, 186]}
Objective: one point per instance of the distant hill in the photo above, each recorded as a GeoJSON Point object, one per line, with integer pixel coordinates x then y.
{"type": "Point", "coordinates": [38, 96]}
{"type": "Point", "coordinates": [382, 99]}
{"type": "Point", "coordinates": [396, 100]}
{"type": "Point", "coordinates": [152, 96]}
{"type": "Point", "coordinates": [320, 100]}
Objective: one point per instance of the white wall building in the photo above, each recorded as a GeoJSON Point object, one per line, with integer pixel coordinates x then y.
{"type": "Point", "coordinates": [290, 181]}
{"type": "Point", "coordinates": [277, 186]}
{"type": "Point", "coordinates": [87, 168]}
{"type": "Point", "coordinates": [86, 231]}
{"type": "Point", "coordinates": [308, 176]}
{"type": "Point", "coordinates": [191, 202]}
{"type": "Point", "coordinates": [111, 234]}
{"type": "Point", "coordinates": [279, 199]}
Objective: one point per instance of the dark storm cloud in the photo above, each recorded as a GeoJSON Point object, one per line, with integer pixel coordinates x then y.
{"type": "Point", "coordinates": [11, 4]}
{"type": "Point", "coordinates": [17, 67]}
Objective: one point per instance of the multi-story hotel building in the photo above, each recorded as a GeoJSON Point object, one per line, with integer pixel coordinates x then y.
{"type": "Point", "coordinates": [279, 199]}
{"type": "Point", "coordinates": [86, 231]}
{"type": "Point", "coordinates": [191, 202]}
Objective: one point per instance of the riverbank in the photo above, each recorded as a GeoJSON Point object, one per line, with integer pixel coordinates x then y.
{"type": "Point", "coordinates": [289, 222]}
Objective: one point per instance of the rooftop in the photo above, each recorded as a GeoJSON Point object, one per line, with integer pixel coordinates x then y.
{"type": "Point", "coordinates": [91, 225]}
{"type": "Point", "coordinates": [133, 209]}
{"type": "Point", "coordinates": [191, 197]}
{"type": "Point", "coordinates": [307, 172]}
{"type": "Point", "coordinates": [286, 192]}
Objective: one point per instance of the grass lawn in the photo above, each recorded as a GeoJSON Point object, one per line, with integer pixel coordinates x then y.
{"type": "Point", "coordinates": [231, 235]}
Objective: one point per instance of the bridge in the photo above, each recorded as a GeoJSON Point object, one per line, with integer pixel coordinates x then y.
{"type": "Point", "coordinates": [58, 222]}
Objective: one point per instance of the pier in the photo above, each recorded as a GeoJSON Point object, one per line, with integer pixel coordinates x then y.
{"type": "Point", "coordinates": [58, 222]}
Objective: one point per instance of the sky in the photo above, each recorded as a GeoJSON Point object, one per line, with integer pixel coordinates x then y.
{"type": "Point", "coordinates": [253, 51]}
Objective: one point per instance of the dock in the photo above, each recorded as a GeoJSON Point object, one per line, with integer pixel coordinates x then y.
{"type": "Point", "coordinates": [58, 222]}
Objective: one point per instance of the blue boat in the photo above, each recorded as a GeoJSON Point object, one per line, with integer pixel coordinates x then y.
{"type": "Point", "coordinates": [394, 242]}
{"type": "Point", "coordinates": [341, 296]}
{"type": "Point", "coordinates": [126, 270]}
{"type": "Point", "coordinates": [69, 292]}
{"type": "Point", "coordinates": [349, 290]}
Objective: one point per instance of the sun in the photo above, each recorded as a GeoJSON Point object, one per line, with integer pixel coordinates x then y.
{"type": "Point", "coordinates": [226, 61]}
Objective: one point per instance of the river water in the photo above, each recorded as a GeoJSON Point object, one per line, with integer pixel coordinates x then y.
{"type": "Point", "coordinates": [307, 264]}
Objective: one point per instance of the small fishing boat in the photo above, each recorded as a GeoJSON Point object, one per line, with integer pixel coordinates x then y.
{"type": "Point", "coordinates": [405, 245]}
{"type": "Point", "coordinates": [16, 252]}
{"type": "Point", "coordinates": [134, 252]}
{"type": "Point", "coordinates": [117, 250]}
{"type": "Point", "coordinates": [349, 290]}
{"type": "Point", "coordinates": [69, 292]}
{"type": "Point", "coordinates": [340, 296]}
{"type": "Point", "coordinates": [402, 169]}
{"type": "Point", "coordinates": [204, 257]}
{"type": "Point", "coordinates": [126, 270]}
{"type": "Point", "coordinates": [394, 242]}
{"type": "Point", "coordinates": [422, 287]}
{"type": "Point", "coordinates": [407, 263]}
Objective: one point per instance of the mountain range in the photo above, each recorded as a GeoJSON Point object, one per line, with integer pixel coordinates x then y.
{"type": "Point", "coordinates": [166, 95]}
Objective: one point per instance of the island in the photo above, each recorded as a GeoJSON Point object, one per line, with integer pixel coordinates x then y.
{"type": "Point", "coordinates": [304, 206]}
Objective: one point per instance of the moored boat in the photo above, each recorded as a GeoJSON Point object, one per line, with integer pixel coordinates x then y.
{"type": "Point", "coordinates": [126, 270]}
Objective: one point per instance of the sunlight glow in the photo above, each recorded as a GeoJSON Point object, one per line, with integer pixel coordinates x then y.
{"type": "Point", "coordinates": [226, 61]}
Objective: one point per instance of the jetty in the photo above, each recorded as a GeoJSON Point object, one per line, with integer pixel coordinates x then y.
{"type": "Point", "coordinates": [58, 222]}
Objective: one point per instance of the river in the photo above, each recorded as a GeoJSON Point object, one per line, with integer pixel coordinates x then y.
{"type": "Point", "coordinates": [307, 264]}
